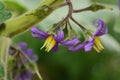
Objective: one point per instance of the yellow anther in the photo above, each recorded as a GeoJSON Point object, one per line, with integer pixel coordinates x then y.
{"type": "Point", "coordinates": [98, 46]}
{"type": "Point", "coordinates": [49, 43]}
{"type": "Point", "coordinates": [96, 49]}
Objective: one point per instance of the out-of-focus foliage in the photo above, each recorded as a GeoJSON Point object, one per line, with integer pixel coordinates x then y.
{"type": "Point", "coordinates": [15, 7]}
{"type": "Point", "coordinates": [1, 70]}
{"type": "Point", "coordinates": [65, 65]}
{"type": "Point", "coordinates": [4, 14]}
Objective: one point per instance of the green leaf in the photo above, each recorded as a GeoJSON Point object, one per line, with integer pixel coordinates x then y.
{"type": "Point", "coordinates": [4, 14]}
{"type": "Point", "coordinates": [2, 6]}
{"type": "Point", "coordinates": [1, 71]}
{"type": "Point", "coordinates": [16, 8]}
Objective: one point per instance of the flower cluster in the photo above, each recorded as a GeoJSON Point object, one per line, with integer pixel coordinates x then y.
{"type": "Point", "coordinates": [52, 41]}
{"type": "Point", "coordinates": [23, 55]}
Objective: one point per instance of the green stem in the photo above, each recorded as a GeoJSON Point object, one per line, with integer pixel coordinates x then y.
{"type": "Point", "coordinates": [29, 19]}
{"type": "Point", "coordinates": [4, 48]}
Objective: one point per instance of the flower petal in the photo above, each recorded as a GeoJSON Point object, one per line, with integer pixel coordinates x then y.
{"type": "Point", "coordinates": [29, 52]}
{"type": "Point", "coordinates": [60, 36]}
{"type": "Point", "coordinates": [77, 48]}
{"type": "Point", "coordinates": [39, 34]}
{"type": "Point", "coordinates": [55, 48]}
{"type": "Point", "coordinates": [89, 46]}
{"type": "Point", "coordinates": [70, 42]}
{"type": "Point", "coordinates": [22, 45]}
{"type": "Point", "coordinates": [102, 28]}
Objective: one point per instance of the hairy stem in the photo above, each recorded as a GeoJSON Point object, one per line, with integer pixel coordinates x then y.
{"type": "Point", "coordinates": [30, 18]}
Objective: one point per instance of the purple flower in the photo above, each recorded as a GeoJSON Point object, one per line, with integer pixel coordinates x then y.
{"type": "Point", "coordinates": [51, 40]}
{"type": "Point", "coordinates": [21, 72]}
{"type": "Point", "coordinates": [24, 75]}
{"type": "Point", "coordinates": [94, 41]}
{"type": "Point", "coordinates": [27, 51]}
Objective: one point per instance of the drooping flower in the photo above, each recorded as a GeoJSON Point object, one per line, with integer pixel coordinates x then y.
{"type": "Point", "coordinates": [23, 73]}
{"type": "Point", "coordinates": [51, 40]}
{"type": "Point", "coordinates": [94, 41]}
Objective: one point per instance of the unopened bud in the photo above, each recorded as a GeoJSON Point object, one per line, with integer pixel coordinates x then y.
{"type": "Point", "coordinates": [95, 7]}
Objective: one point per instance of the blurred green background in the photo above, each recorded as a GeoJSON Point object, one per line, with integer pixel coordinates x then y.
{"type": "Point", "coordinates": [65, 65]}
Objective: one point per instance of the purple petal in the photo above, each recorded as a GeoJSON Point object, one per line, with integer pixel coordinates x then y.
{"type": "Point", "coordinates": [39, 34]}
{"type": "Point", "coordinates": [55, 48]}
{"type": "Point", "coordinates": [29, 52]}
{"type": "Point", "coordinates": [89, 45]}
{"type": "Point", "coordinates": [70, 42]}
{"type": "Point", "coordinates": [60, 36]}
{"type": "Point", "coordinates": [102, 28]}
{"type": "Point", "coordinates": [77, 48]}
{"type": "Point", "coordinates": [22, 45]}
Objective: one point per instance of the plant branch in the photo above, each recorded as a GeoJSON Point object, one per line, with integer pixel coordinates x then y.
{"type": "Point", "coordinates": [93, 7]}
{"type": "Point", "coordinates": [83, 28]}
{"type": "Point", "coordinates": [68, 2]}
{"type": "Point", "coordinates": [69, 16]}
{"type": "Point", "coordinates": [24, 22]}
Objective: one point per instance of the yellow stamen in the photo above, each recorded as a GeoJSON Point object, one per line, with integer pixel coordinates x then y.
{"type": "Point", "coordinates": [49, 43]}
{"type": "Point", "coordinates": [96, 49]}
{"type": "Point", "coordinates": [98, 46]}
